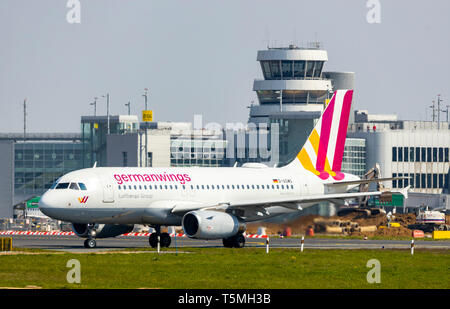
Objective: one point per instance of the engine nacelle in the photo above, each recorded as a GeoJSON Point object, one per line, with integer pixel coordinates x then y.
{"type": "Point", "coordinates": [211, 225]}
{"type": "Point", "coordinates": [102, 230]}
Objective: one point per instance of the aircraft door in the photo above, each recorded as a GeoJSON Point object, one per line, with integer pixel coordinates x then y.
{"type": "Point", "coordinates": [108, 192]}
{"type": "Point", "coordinates": [304, 186]}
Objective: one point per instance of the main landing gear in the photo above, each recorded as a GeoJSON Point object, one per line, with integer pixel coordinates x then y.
{"type": "Point", "coordinates": [164, 239]}
{"type": "Point", "coordinates": [236, 241]}
{"type": "Point", "coordinates": [90, 241]}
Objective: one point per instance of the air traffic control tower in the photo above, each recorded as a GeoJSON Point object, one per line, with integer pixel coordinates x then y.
{"type": "Point", "coordinates": [293, 93]}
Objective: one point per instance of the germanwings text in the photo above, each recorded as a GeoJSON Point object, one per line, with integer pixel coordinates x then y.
{"type": "Point", "coordinates": [181, 178]}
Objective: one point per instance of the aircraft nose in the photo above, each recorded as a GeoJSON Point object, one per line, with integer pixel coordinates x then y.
{"type": "Point", "coordinates": [46, 205]}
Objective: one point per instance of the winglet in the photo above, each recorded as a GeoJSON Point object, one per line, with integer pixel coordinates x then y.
{"type": "Point", "coordinates": [95, 164]}
{"type": "Point", "coordinates": [404, 191]}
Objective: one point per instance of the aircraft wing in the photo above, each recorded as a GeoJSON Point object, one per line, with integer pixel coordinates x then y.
{"type": "Point", "coordinates": [307, 199]}
{"type": "Point", "coordinates": [288, 202]}
{"type": "Point", "coordinates": [361, 181]}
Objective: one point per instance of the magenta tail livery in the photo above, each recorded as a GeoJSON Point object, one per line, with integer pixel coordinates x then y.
{"type": "Point", "coordinates": [209, 203]}
{"type": "Point", "coordinates": [323, 151]}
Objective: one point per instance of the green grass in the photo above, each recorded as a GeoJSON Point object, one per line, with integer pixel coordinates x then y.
{"type": "Point", "coordinates": [231, 268]}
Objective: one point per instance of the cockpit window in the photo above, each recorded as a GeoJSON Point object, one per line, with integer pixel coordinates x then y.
{"type": "Point", "coordinates": [82, 186]}
{"type": "Point", "coordinates": [73, 186]}
{"type": "Point", "coordinates": [62, 185]}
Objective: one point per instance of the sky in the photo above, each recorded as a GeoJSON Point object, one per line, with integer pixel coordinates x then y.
{"type": "Point", "coordinates": [199, 56]}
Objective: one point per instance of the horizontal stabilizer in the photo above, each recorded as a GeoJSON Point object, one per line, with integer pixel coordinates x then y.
{"type": "Point", "coordinates": [358, 182]}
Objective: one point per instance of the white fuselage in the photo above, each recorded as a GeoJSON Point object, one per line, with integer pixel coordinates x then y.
{"type": "Point", "coordinates": [127, 195]}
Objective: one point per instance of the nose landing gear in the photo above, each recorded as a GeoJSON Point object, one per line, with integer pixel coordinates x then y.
{"type": "Point", "coordinates": [90, 241]}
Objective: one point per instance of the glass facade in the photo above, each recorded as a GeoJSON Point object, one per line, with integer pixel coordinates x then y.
{"type": "Point", "coordinates": [38, 164]}
{"type": "Point", "coordinates": [354, 160]}
{"type": "Point", "coordinates": [197, 152]}
{"type": "Point", "coordinates": [290, 96]}
{"type": "Point", "coordinates": [93, 134]}
{"type": "Point", "coordinates": [291, 69]}
{"type": "Point", "coordinates": [422, 181]}
{"type": "Point", "coordinates": [420, 154]}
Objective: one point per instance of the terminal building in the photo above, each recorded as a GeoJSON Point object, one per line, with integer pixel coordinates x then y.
{"type": "Point", "coordinates": [32, 162]}
{"type": "Point", "coordinates": [418, 150]}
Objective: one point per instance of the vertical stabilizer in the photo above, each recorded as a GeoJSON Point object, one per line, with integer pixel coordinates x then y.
{"type": "Point", "coordinates": [323, 150]}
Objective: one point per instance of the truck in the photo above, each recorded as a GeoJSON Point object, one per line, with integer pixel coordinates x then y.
{"type": "Point", "coordinates": [429, 221]}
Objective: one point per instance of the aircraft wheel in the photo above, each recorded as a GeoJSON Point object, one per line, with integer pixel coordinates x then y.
{"type": "Point", "coordinates": [227, 243]}
{"type": "Point", "coordinates": [165, 240]}
{"type": "Point", "coordinates": [153, 240]}
{"type": "Point", "coordinates": [90, 243]}
{"type": "Point", "coordinates": [239, 241]}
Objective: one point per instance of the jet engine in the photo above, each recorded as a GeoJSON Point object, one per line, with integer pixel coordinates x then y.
{"type": "Point", "coordinates": [102, 230]}
{"type": "Point", "coordinates": [211, 225]}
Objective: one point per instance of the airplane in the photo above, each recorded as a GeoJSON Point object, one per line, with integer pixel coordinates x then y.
{"type": "Point", "coordinates": [209, 203]}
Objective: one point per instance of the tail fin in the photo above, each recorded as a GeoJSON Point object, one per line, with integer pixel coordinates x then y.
{"type": "Point", "coordinates": [323, 150]}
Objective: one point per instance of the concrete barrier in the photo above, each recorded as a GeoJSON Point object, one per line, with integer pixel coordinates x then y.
{"type": "Point", "coordinates": [441, 234]}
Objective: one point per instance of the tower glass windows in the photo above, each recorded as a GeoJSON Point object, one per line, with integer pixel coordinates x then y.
{"type": "Point", "coordinates": [299, 69]}
{"type": "Point", "coordinates": [286, 66]}
{"type": "Point", "coordinates": [318, 69]}
{"type": "Point", "coordinates": [309, 68]}
{"type": "Point", "coordinates": [275, 69]}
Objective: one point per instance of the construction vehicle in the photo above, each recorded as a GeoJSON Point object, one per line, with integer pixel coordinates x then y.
{"type": "Point", "coordinates": [429, 221]}
{"type": "Point", "coordinates": [367, 206]}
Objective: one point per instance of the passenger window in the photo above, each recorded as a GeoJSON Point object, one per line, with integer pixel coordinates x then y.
{"type": "Point", "coordinates": [119, 187]}
{"type": "Point", "coordinates": [129, 187]}
{"type": "Point", "coordinates": [73, 186]}
{"type": "Point", "coordinates": [62, 185]}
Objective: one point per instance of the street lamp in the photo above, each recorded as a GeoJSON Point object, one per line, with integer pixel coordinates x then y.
{"type": "Point", "coordinates": [145, 95]}
{"type": "Point", "coordinates": [95, 106]}
{"type": "Point", "coordinates": [128, 105]}
{"type": "Point", "coordinates": [107, 108]}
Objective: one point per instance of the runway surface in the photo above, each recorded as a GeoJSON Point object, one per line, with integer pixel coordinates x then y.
{"type": "Point", "coordinates": [75, 244]}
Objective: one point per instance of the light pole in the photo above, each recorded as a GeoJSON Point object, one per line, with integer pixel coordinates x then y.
{"type": "Point", "coordinates": [107, 108]}
{"type": "Point", "coordinates": [95, 106]}
{"type": "Point", "coordinates": [145, 95]}
{"type": "Point", "coordinates": [24, 120]}
{"type": "Point", "coordinates": [128, 105]}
